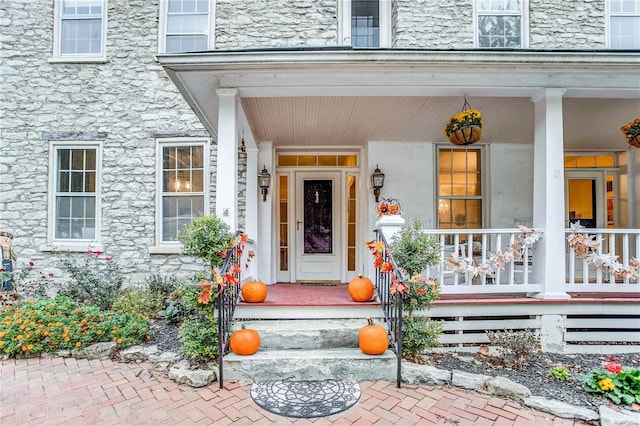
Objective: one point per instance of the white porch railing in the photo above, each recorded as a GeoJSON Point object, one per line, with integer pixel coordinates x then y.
{"type": "Point", "coordinates": [583, 276]}
{"type": "Point", "coordinates": [474, 249]}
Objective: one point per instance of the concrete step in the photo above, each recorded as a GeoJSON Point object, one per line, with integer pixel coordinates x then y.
{"type": "Point", "coordinates": [307, 334]}
{"type": "Point", "coordinates": [245, 311]}
{"type": "Point", "coordinates": [318, 364]}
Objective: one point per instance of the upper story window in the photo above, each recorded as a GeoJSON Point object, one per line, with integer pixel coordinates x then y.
{"type": "Point", "coordinates": [75, 177]}
{"type": "Point", "coordinates": [185, 25]}
{"type": "Point", "coordinates": [624, 24]}
{"type": "Point", "coordinates": [365, 23]}
{"type": "Point", "coordinates": [80, 29]}
{"type": "Point", "coordinates": [183, 185]}
{"type": "Point", "coordinates": [500, 23]}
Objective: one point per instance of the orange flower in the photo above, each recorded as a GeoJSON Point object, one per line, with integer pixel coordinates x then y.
{"type": "Point", "coordinates": [386, 267]}
{"type": "Point", "coordinates": [205, 296]}
{"type": "Point", "coordinates": [78, 344]}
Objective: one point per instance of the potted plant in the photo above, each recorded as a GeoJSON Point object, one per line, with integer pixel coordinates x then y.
{"type": "Point", "coordinates": [632, 132]}
{"type": "Point", "coordinates": [465, 127]}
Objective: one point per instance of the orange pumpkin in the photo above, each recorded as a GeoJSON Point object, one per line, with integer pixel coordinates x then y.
{"type": "Point", "coordinates": [360, 289]}
{"type": "Point", "coordinates": [254, 291]}
{"type": "Point", "coordinates": [245, 341]}
{"type": "Point", "coordinates": [373, 339]}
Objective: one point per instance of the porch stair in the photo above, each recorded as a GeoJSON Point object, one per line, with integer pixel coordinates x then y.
{"type": "Point", "coordinates": [315, 340]}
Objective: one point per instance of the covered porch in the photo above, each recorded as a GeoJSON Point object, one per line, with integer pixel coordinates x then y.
{"type": "Point", "coordinates": [387, 108]}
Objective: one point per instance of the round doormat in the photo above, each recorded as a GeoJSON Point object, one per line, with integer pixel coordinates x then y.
{"type": "Point", "coordinates": [305, 399]}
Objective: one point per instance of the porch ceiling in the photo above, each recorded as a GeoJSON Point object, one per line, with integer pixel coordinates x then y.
{"type": "Point", "coordinates": [345, 98]}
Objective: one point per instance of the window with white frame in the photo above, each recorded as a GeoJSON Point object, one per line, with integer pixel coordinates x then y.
{"type": "Point", "coordinates": [624, 24]}
{"type": "Point", "coordinates": [185, 25]}
{"type": "Point", "coordinates": [365, 23]}
{"type": "Point", "coordinates": [80, 29]}
{"type": "Point", "coordinates": [500, 23]}
{"type": "Point", "coordinates": [75, 181]}
{"type": "Point", "coordinates": [182, 186]}
{"type": "Point", "coordinates": [460, 194]}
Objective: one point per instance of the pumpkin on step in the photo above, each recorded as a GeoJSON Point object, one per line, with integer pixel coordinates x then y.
{"type": "Point", "coordinates": [360, 289]}
{"type": "Point", "coordinates": [254, 291]}
{"type": "Point", "coordinates": [245, 341]}
{"type": "Point", "coordinates": [373, 339]}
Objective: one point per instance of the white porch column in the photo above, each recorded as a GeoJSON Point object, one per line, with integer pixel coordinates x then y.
{"type": "Point", "coordinates": [548, 194]}
{"type": "Point", "coordinates": [267, 245]}
{"type": "Point", "coordinates": [251, 199]}
{"type": "Point", "coordinates": [227, 164]}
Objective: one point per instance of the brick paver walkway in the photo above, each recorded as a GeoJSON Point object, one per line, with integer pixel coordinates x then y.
{"type": "Point", "coordinates": [59, 391]}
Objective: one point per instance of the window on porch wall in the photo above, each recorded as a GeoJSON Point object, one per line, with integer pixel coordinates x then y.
{"type": "Point", "coordinates": [185, 26]}
{"type": "Point", "coordinates": [283, 199]}
{"type": "Point", "coordinates": [351, 223]}
{"type": "Point", "coordinates": [500, 23]}
{"type": "Point", "coordinates": [183, 187]}
{"type": "Point", "coordinates": [624, 24]}
{"type": "Point", "coordinates": [460, 196]}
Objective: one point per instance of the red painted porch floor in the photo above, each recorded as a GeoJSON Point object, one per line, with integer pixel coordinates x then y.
{"type": "Point", "coordinates": [295, 294]}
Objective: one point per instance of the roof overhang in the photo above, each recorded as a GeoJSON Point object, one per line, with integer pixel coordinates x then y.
{"type": "Point", "coordinates": [403, 73]}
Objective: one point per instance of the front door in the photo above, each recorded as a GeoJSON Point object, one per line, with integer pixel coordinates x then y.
{"type": "Point", "coordinates": [317, 226]}
{"type": "Point", "coordinates": [585, 197]}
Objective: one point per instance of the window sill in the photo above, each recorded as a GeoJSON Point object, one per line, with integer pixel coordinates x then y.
{"type": "Point", "coordinates": [79, 60]}
{"type": "Point", "coordinates": [72, 247]}
{"type": "Point", "coordinates": [166, 249]}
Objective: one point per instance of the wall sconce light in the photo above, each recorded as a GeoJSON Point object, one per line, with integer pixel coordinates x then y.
{"type": "Point", "coordinates": [264, 180]}
{"type": "Point", "coordinates": [377, 182]}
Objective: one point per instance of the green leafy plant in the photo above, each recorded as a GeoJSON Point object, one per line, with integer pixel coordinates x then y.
{"type": "Point", "coordinates": [516, 346]}
{"type": "Point", "coordinates": [620, 385]}
{"type": "Point", "coordinates": [139, 300]}
{"type": "Point", "coordinates": [48, 325]}
{"type": "Point", "coordinates": [413, 250]}
{"type": "Point", "coordinates": [421, 295]}
{"type": "Point", "coordinates": [162, 285]}
{"type": "Point", "coordinates": [559, 373]}
{"type": "Point", "coordinates": [199, 336]}
{"type": "Point", "coordinates": [95, 279]}
{"type": "Point", "coordinates": [420, 334]}
{"type": "Point", "coordinates": [208, 238]}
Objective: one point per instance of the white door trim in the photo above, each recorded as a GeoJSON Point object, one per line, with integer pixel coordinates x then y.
{"type": "Point", "coordinates": [601, 206]}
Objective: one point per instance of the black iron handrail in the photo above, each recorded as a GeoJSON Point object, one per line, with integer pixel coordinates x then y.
{"type": "Point", "coordinates": [391, 303]}
{"type": "Point", "coordinates": [227, 299]}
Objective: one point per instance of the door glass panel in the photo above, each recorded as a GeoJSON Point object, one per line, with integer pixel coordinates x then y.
{"type": "Point", "coordinates": [283, 197]}
{"type": "Point", "coordinates": [582, 202]}
{"type": "Point", "coordinates": [318, 232]}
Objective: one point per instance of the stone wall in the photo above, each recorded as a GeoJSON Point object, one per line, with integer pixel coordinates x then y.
{"type": "Point", "coordinates": [558, 24]}
{"type": "Point", "coordinates": [267, 23]}
{"type": "Point", "coordinates": [446, 24]}
{"type": "Point", "coordinates": [126, 103]}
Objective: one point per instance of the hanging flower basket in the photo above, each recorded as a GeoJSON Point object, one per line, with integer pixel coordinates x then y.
{"type": "Point", "coordinates": [465, 127]}
{"type": "Point", "coordinates": [632, 132]}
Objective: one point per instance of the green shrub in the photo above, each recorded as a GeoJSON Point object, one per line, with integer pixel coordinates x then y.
{"type": "Point", "coordinates": [199, 336]}
{"type": "Point", "coordinates": [93, 280]}
{"type": "Point", "coordinates": [559, 373]}
{"type": "Point", "coordinates": [208, 238]}
{"type": "Point", "coordinates": [420, 334]}
{"type": "Point", "coordinates": [136, 300]}
{"type": "Point", "coordinates": [421, 295]}
{"type": "Point", "coordinates": [48, 325]}
{"type": "Point", "coordinates": [413, 250]}
{"type": "Point", "coordinates": [183, 302]}
{"type": "Point", "coordinates": [517, 346]}
{"type": "Point", "coordinates": [163, 286]}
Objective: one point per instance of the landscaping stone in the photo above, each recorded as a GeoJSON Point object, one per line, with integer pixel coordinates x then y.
{"type": "Point", "coordinates": [501, 386]}
{"type": "Point", "coordinates": [470, 381]}
{"type": "Point", "coordinates": [138, 353]}
{"type": "Point", "coordinates": [609, 417]}
{"type": "Point", "coordinates": [561, 409]}
{"type": "Point", "coordinates": [165, 357]}
{"type": "Point", "coordinates": [182, 374]}
{"type": "Point", "coordinates": [102, 350]}
{"type": "Point", "coordinates": [416, 374]}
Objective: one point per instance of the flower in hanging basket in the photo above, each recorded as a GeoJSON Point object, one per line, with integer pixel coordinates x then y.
{"type": "Point", "coordinates": [632, 132]}
{"type": "Point", "coordinates": [465, 127]}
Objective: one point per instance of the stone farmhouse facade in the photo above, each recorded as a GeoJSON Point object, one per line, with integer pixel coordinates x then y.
{"type": "Point", "coordinates": [124, 119]}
